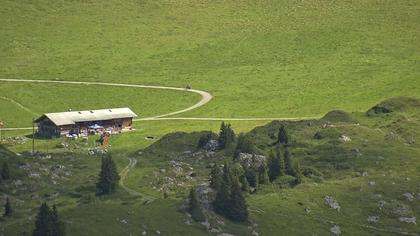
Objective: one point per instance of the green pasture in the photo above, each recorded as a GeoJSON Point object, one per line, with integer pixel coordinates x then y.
{"type": "Point", "coordinates": [265, 59]}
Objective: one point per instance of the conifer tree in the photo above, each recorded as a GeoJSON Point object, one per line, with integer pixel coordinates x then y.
{"type": "Point", "coordinates": [43, 222]}
{"type": "Point", "coordinates": [282, 136]}
{"type": "Point", "coordinates": [298, 174]}
{"type": "Point", "coordinates": [215, 177]}
{"type": "Point", "coordinates": [288, 163]}
{"type": "Point", "coordinates": [108, 176]}
{"type": "Point", "coordinates": [252, 177]}
{"type": "Point", "coordinates": [238, 211]}
{"type": "Point", "coordinates": [263, 174]}
{"type": "Point", "coordinates": [8, 208]}
{"type": "Point", "coordinates": [226, 136]}
{"type": "Point", "coordinates": [194, 207]}
{"type": "Point", "coordinates": [243, 145]}
{"type": "Point", "coordinates": [282, 164]}
{"type": "Point", "coordinates": [221, 203]}
{"type": "Point", "coordinates": [244, 183]}
{"type": "Point", "coordinates": [48, 223]}
{"type": "Point", "coordinates": [57, 226]}
{"type": "Point", "coordinates": [5, 172]}
{"type": "Point", "coordinates": [273, 167]}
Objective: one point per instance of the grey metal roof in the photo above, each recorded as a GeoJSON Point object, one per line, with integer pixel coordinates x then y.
{"type": "Point", "coordinates": [72, 117]}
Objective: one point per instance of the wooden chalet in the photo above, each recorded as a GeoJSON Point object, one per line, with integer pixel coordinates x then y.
{"type": "Point", "coordinates": [58, 124]}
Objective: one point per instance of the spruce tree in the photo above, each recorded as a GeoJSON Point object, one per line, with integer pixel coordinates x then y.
{"type": "Point", "coordinates": [221, 203]}
{"type": "Point", "coordinates": [252, 177]}
{"type": "Point", "coordinates": [244, 183]}
{"type": "Point", "coordinates": [298, 174]}
{"type": "Point", "coordinates": [288, 163]}
{"type": "Point", "coordinates": [194, 207]}
{"type": "Point", "coordinates": [238, 211]}
{"type": "Point", "coordinates": [57, 226]}
{"type": "Point", "coordinates": [243, 145]}
{"type": "Point", "coordinates": [108, 176]}
{"type": "Point", "coordinates": [43, 222]}
{"type": "Point", "coordinates": [282, 136]}
{"type": "Point", "coordinates": [5, 172]}
{"type": "Point", "coordinates": [273, 167]}
{"type": "Point", "coordinates": [226, 136]}
{"type": "Point", "coordinates": [263, 174]}
{"type": "Point", "coordinates": [8, 208]}
{"type": "Point", "coordinates": [215, 177]}
{"type": "Point", "coordinates": [282, 165]}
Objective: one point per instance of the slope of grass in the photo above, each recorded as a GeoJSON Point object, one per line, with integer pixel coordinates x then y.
{"type": "Point", "coordinates": [272, 58]}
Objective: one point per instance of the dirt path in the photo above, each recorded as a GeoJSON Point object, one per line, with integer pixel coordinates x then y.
{"type": "Point", "coordinates": [124, 173]}
{"type": "Point", "coordinates": [205, 96]}
{"type": "Point", "coordinates": [19, 105]}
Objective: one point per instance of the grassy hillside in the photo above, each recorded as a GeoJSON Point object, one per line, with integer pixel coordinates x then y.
{"type": "Point", "coordinates": [271, 58]}
{"type": "Point", "coordinates": [368, 174]}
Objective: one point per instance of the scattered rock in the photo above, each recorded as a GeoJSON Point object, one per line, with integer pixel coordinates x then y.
{"type": "Point", "coordinates": [251, 160]}
{"type": "Point", "coordinates": [409, 196]}
{"type": "Point", "coordinates": [373, 219]}
{"type": "Point", "coordinates": [410, 220]}
{"type": "Point", "coordinates": [255, 233]}
{"type": "Point", "coordinates": [372, 183]}
{"type": "Point", "coordinates": [336, 230]}
{"type": "Point", "coordinates": [332, 203]}
{"type": "Point", "coordinates": [212, 145]}
{"type": "Point", "coordinates": [307, 210]}
{"type": "Point", "coordinates": [343, 138]}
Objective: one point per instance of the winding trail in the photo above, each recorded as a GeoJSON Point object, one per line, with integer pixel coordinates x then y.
{"type": "Point", "coordinates": [19, 105]}
{"type": "Point", "coordinates": [123, 175]}
{"type": "Point", "coordinates": [205, 96]}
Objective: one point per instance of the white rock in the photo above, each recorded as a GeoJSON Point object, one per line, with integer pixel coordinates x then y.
{"type": "Point", "coordinates": [331, 202]}
{"type": "Point", "coordinates": [410, 220]}
{"type": "Point", "coordinates": [336, 230]}
{"type": "Point", "coordinates": [409, 196]}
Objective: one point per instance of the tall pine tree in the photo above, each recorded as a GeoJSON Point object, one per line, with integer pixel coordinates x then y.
{"type": "Point", "coordinates": [194, 207]}
{"type": "Point", "coordinates": [57, 226]}
{"type": "Point", "coordinates": [288, 163]}
{"type": "Point", "coordinates": [226, 136]}
{"type": "Point", "coordinates": [43, 221]}
{"type": "Point", "coordinates": [8, 208]}
{"type": "Point", "coordinates": [298, 174]}
{"type": "Point", "coordinates": [48, 222]}
{"type": "Point", "coordinates": [273, 167]}
{"type": "Point", "coordinates": [108, 177]}
{"type": "Point", "coordinates": [221, 203]}
{"type": "Point", "coordinates": [283, 137]}
{"type": "Point", "coordinates": [263, 174]}
{"type": "Point", "coordinates": [215, 177]}
{"type": "Point", "coordinates": [5, 172]}
{"type": "Point", "coordinates": [238, 211]}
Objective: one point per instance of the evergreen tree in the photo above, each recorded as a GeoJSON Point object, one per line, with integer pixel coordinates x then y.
{"type": "Point", "coordinates": [221, 203]}
{"type": "Point", "coordinates": [194, 207]}
{"type": "Point", "coordinates": [263, 174]}
{"type": "Point", "coordinates": [238, 211]}
{"type": "Point", "coordinates": [244, 183]}
{"type": "Point", "coordinates": [5, 172]}
{"type": "Point", "coordinates": [298, 174]}
{"type": "Point", "coordinates": [244, 145]}
{"type": "Point", "coordinates": [58, 227]}
{"type": "Point", "coordinates": [282, 165]}
{"type": "Point", "coordinates": [252, 177]}
{"type": "Point", "coordinates": [43, 222]}
{"type": "Point", "coordinates": [8, 208]}
{"type": "Point", "coordinates": [204, 139]}
{"type": "Point", "coordinates": [108, 177]}
{"type": "Point", "coordinates": [288, 163]}
{"type": "Point", "coordinates": [215, 177]}
{"type": "Point", "coordinates": [282, 136]}
{"type": "Point", "coordinates": [226, 136]}
{"type": "Point", "coordinates": [273, 167]}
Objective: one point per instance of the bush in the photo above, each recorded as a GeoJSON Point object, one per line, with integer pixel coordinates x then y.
{"type": "Point", "coordinates": [310, 172]}
{"type": "Point", "coordinates": [285, 181]}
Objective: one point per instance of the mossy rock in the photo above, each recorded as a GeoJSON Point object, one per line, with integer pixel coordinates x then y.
{"type": "Point", "coordinates": [338, 116]}
{"type": "Point", "coordinates": [394, 105]}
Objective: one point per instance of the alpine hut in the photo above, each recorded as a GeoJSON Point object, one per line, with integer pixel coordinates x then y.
{"type": "Point", "coordinates": [58, 124]}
